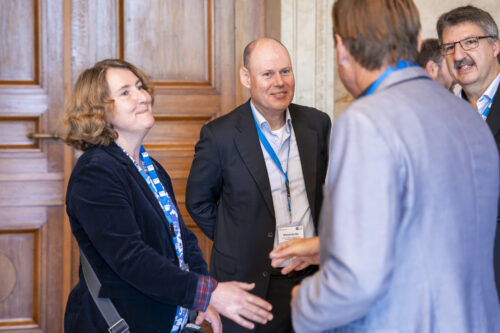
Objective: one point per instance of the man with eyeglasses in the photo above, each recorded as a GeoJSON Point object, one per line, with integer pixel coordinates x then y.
{"type": "Point", "coordinates": [469, 42]}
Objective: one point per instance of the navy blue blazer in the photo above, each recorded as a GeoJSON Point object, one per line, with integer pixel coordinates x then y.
{"type": "Point", "coordinates": [122, 229]}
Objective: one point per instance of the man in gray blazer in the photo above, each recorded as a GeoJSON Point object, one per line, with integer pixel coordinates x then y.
{"type": "Point", "coordinates": [409, 213]}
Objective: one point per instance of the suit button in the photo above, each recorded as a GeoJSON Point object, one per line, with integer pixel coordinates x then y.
{"type": "Point", "coordinates": [265, 274]}
{"type": "Point", "coordinates": [270, 234]}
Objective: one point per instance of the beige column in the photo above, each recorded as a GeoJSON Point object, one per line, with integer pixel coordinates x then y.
{"type": "Point", "coordinates": [306, 30]}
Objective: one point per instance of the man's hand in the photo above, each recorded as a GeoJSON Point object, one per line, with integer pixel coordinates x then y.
{"type": "Point", "coordinates": [303, 251]}
{"type": "Point", "coordinates": [211, 316]}
{"type": "Point", "coordinates": [233, 301]}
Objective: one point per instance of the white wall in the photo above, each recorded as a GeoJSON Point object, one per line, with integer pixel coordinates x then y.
{"type": "Point", "coordinates": [306, 30]}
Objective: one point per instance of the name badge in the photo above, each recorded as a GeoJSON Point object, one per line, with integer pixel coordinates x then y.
{"type": "Point", "coordinates": [287, 233]}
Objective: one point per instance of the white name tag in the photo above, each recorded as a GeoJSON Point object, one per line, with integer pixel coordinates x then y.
{"type": "Point", "coordinates": [287, 233]}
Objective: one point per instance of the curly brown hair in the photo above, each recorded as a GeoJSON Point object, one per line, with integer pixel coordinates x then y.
{"type": "Point", "coordinates": [85, 123]}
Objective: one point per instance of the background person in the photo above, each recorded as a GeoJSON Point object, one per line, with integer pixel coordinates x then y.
{"type": "Point", "coordinates": [125, 218]}
{"type": "Point", "coordinates": [431, 59]}
{"type": "Point", "coordinates": [407, 224]}
{"type": "Point", "coordinates": [248, 197]}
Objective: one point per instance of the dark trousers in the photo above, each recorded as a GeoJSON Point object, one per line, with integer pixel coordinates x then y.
{"type": "Point", "coordinates": [279, 295]}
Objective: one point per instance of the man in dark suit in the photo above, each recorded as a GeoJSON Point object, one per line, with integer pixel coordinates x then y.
{"type": "Point", "coordinates": [257, 177]}
{"type": "Point", "coordinates": [469, 42]}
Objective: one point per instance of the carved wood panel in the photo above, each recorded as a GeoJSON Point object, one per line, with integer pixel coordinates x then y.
{"type": "Point", "coordinates": [31, 170]}
{"type": "Point", "coordinates": [19, 54]}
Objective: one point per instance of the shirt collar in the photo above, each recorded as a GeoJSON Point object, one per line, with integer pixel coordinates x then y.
{"type": "Point", "coordinates": [492, 88]}
{"type": "Point", "coordinates": [489, 93]}
{"type": "Point", "coordinates": [264, 124]}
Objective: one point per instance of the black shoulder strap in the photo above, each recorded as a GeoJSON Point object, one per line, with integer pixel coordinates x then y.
{"type": "Point", "coordinates": [116, 323]}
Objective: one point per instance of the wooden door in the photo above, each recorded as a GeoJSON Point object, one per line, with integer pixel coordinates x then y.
{"type": "Point", "coordinates": [31, 170]}
{"type": "Point", "coordinates": [190, 48]}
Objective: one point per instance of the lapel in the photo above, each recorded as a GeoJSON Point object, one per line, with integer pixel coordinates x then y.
{"type": "Point", "coordinates": [493, 119]}
{"type": "Point", "coordinates": [114, 150]}
{"type": "Point", "coordinates": [307, 143]}
{"type": "Point", "coordinates": [248, 145]}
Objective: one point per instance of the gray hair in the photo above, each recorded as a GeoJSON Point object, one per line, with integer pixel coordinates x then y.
{"type": "Point", "coordinates": [468, 14]}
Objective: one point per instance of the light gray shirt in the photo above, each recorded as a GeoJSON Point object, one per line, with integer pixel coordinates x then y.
{"type": "Point", "coordinates": [280, 141]}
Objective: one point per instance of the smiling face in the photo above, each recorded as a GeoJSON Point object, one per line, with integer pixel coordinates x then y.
{"type": "Point", "coordinates": [475, 69]}
{"type": "Point", "coordinates": [132, 115]}
{"type": "Point", "coordinates": [269, 76]}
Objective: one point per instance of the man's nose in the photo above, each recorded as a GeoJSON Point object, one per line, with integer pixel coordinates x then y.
{"type": "Point", "coordinates": [278, 80]}
{"type": "Point", "coordinates": [459, 53]}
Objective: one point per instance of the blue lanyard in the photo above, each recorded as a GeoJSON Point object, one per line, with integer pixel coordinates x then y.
{"type": "Point", "coordinates": [487, 110]}
{"type": "Point", "coordinates": [276, 160]}
{"type": "Point", "coordinates": [167, 205]}
{"type": "Point", "coordinates": [171, 214]}
{"type": "Point", "coordinates": [400, 65]}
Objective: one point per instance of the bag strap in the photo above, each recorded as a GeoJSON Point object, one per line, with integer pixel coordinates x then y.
{"type": "Point", "coordinates": [115, 322]}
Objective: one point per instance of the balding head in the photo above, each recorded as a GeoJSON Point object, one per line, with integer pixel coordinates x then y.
{"type": "Point", "coordinates": [247, 53]}
{"type": "Point", "coordinates": [268, 74]}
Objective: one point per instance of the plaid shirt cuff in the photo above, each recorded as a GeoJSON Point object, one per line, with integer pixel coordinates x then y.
{"type": "Point", "coordinates": [206, 285]}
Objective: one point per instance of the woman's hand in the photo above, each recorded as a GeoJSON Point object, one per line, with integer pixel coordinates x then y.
{"type": "Point", "coordinates": [232, 300]}
{"type": "Point", "coordinates": [211, 316]}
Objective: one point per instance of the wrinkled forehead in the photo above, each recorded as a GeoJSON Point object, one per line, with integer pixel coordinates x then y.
{"type": "Point", "coordinates": [460, 31]}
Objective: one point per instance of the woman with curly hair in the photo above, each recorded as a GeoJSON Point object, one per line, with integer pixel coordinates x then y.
{"type": "Point", "coordinates": [125, 218]}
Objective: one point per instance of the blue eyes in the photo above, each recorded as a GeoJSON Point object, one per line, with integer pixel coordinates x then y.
{"type": "Point", "coordinates": [127, 92]}
{"type": "Point", "coordinates": [284, 72]}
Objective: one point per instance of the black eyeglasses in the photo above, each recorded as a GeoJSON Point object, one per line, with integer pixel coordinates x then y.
{"type": "Point", "coordinates": [467, 44]}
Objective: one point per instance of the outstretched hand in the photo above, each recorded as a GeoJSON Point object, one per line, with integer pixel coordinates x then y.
{"type": "Point", "coordinates": [302, 251]}
{"type": "Point", "coordinates": [232, 300]}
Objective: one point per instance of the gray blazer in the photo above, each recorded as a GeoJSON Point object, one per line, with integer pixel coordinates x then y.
{"type": "Point", "coordinates": [409, 217]}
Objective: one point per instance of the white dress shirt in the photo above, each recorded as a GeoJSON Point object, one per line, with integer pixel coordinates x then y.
{"type": "Point", "coordinates": [279, 141]}
{"type": "Point", "coordinates": [487, 96]}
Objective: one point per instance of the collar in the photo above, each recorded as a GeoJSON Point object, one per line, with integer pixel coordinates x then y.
{"type": "Point", "coordinates": [492, 88]}
{"type": "Point", "coordinates": [264, 124]}
{"type": "Point", "coordinates": [489, 93]}
{"type": "Point", "coordinates": [398, 77]}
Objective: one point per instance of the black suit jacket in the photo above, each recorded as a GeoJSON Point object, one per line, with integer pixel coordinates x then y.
{"type": "Point", "coordinates": [122, 229]}
{"type": "Point", "coordinates": [229, 195]}
{"type": "Point", "coordinates": [493, 122]}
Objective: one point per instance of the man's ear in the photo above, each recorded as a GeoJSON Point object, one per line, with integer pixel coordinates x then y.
{"type": "Point", "coordinates": [343, 54]}
{"type": "Point", "coordinates": [496, 47]}
{"type": "Point", "coordinates": [245, 77]}
{"type": "Point", "coordinates": [432, 69]}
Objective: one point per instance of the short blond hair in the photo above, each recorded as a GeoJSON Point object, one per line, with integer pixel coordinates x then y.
{"type": "Point", "coordinates": [84, 122]}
